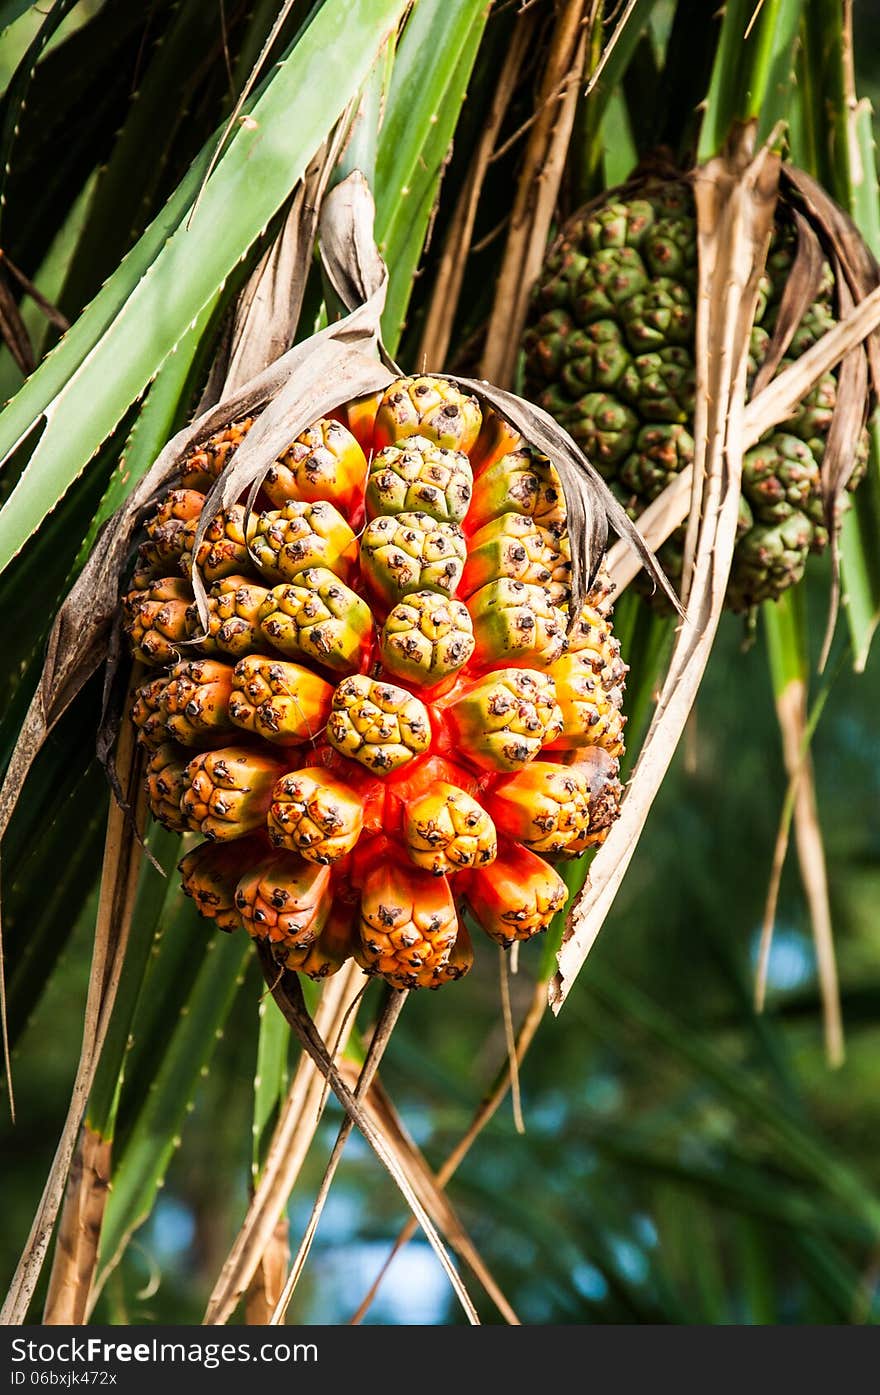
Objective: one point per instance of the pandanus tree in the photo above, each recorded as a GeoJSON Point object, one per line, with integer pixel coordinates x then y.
{"type": "Point", "coordinates": [349, 390]}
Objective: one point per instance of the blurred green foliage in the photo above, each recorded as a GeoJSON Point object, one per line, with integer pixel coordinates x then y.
{"type": "Point", "coordinates": [683, 1160]}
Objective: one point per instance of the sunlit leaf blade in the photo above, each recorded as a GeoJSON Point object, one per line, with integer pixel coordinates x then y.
{"type": "Point", "coordinates": [160, 416]}
{"type": "Point", "coordinates": [11, 10]}
{"type": "Point", "coordinates": [121, 207]}
{"type": "Point", "coordinates": [753, 70]}
{"type": "Point", "coordinates": [87, 384]}
{"type": "Point", "coordinates": [424, 102]}
{"type": "Point", "coordinates": [270, 1078]}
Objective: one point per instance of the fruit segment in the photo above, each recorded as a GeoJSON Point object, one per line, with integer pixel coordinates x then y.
{"type": "Point", "coordinates": [327, 954]}
{"type": "Point", "coordinates": [446, 830]}
{"type": "Point", "coordinates": [211, 873]}
{"type": "Point", "coordinates": [591, 714]}
{"type": "Point", "coordinates": [228, 792]}
{"type": "Point", "coordinates": [318, 617]}
{"type": "Point", "coordinates": [521, 482]}
{"type": "Point", "coordinates": [411, 552]}
{"type": "Point", "coordinates": [288, 540]}
{"type": "Point", "coordinates": [426, 638]}
{"type": "Point", "coordinates": [408, 924]}
{"type": "Point", "coordinates": [502, 721]}
{"type": "Point", "coordinates": [168, 532]}
{"type": "Point", "coordinates": [195, 702]}
{"type": "Point", "coordinates": [378, 724]}
{"type": "Point", "coordinates": [459, 963]}
{"type": "Point", "coordinates": [224, 549]}
{"type": "Point", "coordinates": [780, 476]}
{"type": "Point", "coordinates": [420, 477]}
{"type": "Point", "coordinates": [325, 462]}
{"type": "Point", "coordinates": [155, 620]}
{"type": "Point", "coordinates": [146, 713]}
{"type": "Point", "coordinates": [514, 546]}
{"type": "Point", "coordinates": [516, 897]}
{"type": "Point", "coordinates": [515, 623]}
{"type": "Point", "coordinates": [315, 815]}
{"type": "Point", "coordinates": [233, 618]}
{"type": "Point", "coordinates": [599, 772]}
{"type": "Point", "coordinates": [203, 465]}
{"type": "Point", "coordinates": [177, 508]}
{"type": "Point", "coordinates": [428, 407]}
{"type": "Point", "coordinates": [284, 900]}
{"type": "Point", "coordinates": [282, 702]}
{"type": "Point", "coordinates": [545, 807]}
{"type": "Point", "coordinates": [165, 785]}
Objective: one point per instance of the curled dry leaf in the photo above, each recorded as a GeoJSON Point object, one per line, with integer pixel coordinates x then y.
{"type": "Point", "coordinates": [263, 323]}
{"type": "Point", "coordinates": [798, 295]}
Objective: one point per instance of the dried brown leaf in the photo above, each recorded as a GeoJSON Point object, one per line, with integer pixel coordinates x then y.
{"type": "Point", "coordinates": [860, 269]}
{"type": "Point", "coordinates": [537, 187]}
{"type": "Point", "coordinates": [13, 330]}
{"type": "Point", "coordinates": [735, 198]}
{"type": "Point", "coordinates": [76, 1245]}
{"type": "Point", "coordinates": [391, 1010]}
{"type": "Point", "coordinates": [46, 308]}
{"type": "Point", "coordinates": [263, 324]}
{"type": "Point", "coordinates": [798, 295]}
{"type": "Point", "coordinates": [432, 1195]}
{"type": "Point", "coordinates": [590, 505]}
{"type": "Point", "coordinates": [781, 398]}
{"type": "Point", "coordinates": [265, 1287]}
{"type": "Point", "coordinates": [287, 992]}
{"type": "Point", "coordinates": [791, 707]}
{"type": "Point", "coordinates": [484, 1113]}
{"type": "Point", "coordinates": [448, 278]}
{"type": "Point", "coordinates": [774, 404]}
{"type": "Point", "coordinates": [297, 1123]}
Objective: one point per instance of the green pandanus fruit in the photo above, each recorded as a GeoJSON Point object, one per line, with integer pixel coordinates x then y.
{"type": "Point", "coordinates": [610, 352]}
